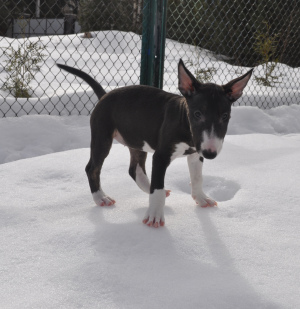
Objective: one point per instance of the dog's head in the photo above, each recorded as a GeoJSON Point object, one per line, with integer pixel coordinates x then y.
{"type": "Point", "coordinates": [209, 107]}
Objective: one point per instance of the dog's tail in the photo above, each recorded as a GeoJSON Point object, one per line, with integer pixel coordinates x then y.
{"type": "Point", "coordinates": [100, 92]}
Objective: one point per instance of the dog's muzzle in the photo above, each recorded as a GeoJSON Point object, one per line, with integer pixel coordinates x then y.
{"type": "Point", "coordinates": [208, 154]}
{"type": "Point", "coordinates": [211, 146]}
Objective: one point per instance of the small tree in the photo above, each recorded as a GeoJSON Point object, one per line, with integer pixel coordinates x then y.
{"type": "Point", "coordinates": [266, 46]}
{"type": "Point", "coordinates": [204, 75]}
{"type": "Point", "coordinates": [21, 64]}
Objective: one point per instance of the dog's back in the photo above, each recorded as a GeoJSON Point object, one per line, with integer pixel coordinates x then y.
{"type": "Point", "coordinates": [132, 111]}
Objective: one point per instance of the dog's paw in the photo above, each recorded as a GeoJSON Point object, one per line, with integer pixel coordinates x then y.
{"type": "Point", "coordinates": [101, 199]}
{"type": "Point", "coordinates": [155, 213]}
{"type": "Point", "coordinates": [204, 201]}
{"type": "Point", "coordinates": [155, 220]}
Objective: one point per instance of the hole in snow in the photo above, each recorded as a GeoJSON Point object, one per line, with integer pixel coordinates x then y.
{"type": "Point", "coordinates": [218, 188]}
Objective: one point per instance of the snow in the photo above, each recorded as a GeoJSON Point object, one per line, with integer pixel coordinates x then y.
{"type": "Point", "coordinates": [58, 250]}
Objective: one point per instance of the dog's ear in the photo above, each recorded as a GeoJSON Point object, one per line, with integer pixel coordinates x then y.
{"type": "Point", "coordinates": [187, 83]}
{"type": "Point", "coordinates": [234, 89]}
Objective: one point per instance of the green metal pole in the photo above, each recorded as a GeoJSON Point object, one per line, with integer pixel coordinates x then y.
{"type": "Point", "coordinates": [160, 39]}
{"type": "Point", "coordinates": [146, 75]}
{"type": "Point", "coordinates": [153, 42]}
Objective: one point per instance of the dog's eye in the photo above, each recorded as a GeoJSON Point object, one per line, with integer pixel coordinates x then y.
{"type": "Point", "coordinates": [197, 114]}
{"type": "Point", "coordinates": [225, 116]}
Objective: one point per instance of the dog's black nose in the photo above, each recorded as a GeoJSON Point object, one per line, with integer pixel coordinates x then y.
{"type": "Point", "coordinates": [208, 154]}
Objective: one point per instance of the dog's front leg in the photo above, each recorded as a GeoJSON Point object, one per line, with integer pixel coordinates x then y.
{"type": "Point", "coordinates": [155, 212]}
{"type": "Point", "coordinates": [195, 163]}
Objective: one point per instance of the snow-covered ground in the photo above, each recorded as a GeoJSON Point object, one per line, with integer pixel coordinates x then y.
{"type": "Point", "coordinates": [58, 250]}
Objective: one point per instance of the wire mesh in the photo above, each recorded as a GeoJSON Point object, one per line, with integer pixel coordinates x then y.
{"type": "Point", "coordinates": [217, 39]}
{"type": "Point", "coordinates": [221, 40]}
{"type": "Point", "coordinates": [100, 37]}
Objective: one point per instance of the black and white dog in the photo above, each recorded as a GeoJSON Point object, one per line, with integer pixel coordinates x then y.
{"type": "Point", "coordinates": [147, 119]}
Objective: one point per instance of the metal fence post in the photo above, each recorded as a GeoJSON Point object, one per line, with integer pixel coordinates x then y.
{"type": "Point", "coordinates": [153, 42]}
{"type": "Point", "coordinates": [70, 17]}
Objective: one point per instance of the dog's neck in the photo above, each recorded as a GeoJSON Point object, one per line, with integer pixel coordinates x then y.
{"type": "Point", "coordinates": [185, 123]}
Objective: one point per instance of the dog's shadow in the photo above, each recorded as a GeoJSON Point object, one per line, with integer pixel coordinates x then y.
{"type": "Point", "coordinates": [149, 264]}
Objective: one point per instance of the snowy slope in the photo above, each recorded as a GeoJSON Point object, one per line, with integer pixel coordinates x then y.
{"type": "Point", "coordinates": [113, 58]}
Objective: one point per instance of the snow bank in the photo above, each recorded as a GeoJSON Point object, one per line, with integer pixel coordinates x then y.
{"type": "Point", "coordinates": [36, 135]}
{"type": "Point", "coordinates": [30, 136]}
{"type": "Point", "coordinates": [279, 120]}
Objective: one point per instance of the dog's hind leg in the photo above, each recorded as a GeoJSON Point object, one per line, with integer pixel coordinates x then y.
{"type": "Point", "coordinates": [195, 167]}
{"type": "Point", "coordinates": [137, 170]}
{"type": "Point", "coordinates": [100, 147]}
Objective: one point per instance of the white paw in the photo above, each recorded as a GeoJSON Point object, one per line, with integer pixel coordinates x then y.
{"type": "Point", "coordinates": [154, 217]}
{"type": "Point", "coordinates": [155, 213]}
{"type": "Point", "coordinates": [101, 199]}
{"type": "Point", "coordinates": [204, 201]}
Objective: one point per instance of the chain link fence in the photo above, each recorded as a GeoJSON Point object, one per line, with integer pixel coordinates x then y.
{"type": "Point", "coordinates": [217, 39]}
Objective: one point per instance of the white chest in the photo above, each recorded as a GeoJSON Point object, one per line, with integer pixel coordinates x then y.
{"type": "Point", "coordinates": [181, 150]}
